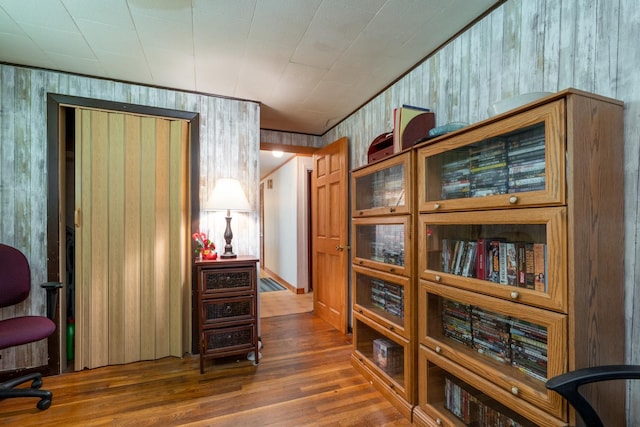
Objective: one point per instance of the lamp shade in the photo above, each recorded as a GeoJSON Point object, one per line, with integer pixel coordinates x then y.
{"type": "Point", "coordinates": [228, 196]}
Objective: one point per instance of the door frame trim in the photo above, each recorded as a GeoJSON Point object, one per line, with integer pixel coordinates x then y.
{"type": "Point", "coordinates": [54, 103]}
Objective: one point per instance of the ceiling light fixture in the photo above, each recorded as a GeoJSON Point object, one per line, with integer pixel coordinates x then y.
{"type": "Point", "coordinates": [277, 154]}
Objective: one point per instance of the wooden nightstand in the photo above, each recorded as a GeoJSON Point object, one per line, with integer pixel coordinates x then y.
{"type": "Point", "coordinates": [228, 307]}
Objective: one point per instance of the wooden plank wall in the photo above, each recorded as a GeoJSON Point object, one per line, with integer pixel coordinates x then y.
{"type": "Point", "coordinates": [526, 46]}
{"type": "Point", "coordinates": [287, 138]}
{"type": "Point", "coordinates": [229, 147]}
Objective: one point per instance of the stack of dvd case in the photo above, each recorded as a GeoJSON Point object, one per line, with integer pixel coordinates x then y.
{"type": "Point", "coordinates": [508, 340]}
{"type": "Point", "coordinates": [529, 348]}
{"type": "Point", "coordinates": [526, 156]}
{"type": "Point", "coordinates": [456, 321]}
{"type": "Point", "coordinates": [388, 297]}
{"type": "Point", "coordinates": [394, 299]}
{"type": "Point", "coordinates": [491, 334]}
{"type": "Point", "coordinates": [377, 293]}
{"type": "Point", "coordinates": [488, 168]}
{"type": "Point", "coordinates": [474, 408]}
{"type": "Point", "coordinates": [455, 175]}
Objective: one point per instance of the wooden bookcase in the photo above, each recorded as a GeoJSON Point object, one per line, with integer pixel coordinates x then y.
{"type": "Point", "coordinates": [384, 278]}
{"type": "Point", "coordinates": [521, 262]}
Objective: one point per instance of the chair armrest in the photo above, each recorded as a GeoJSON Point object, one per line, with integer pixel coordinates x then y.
{"type": "Point", "coordinates": [567, 385]}
{"type": "Point", "coordinates": [52, 294]}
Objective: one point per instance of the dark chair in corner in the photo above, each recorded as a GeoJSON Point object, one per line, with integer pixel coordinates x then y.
{"type": "Point", "coordinates": [567, 386]}
{"type": "Point", "coordinates": [15, 285]}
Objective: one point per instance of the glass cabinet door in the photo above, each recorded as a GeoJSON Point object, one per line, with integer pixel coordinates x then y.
{"type": "Point", "coordinates": [512, 254]}
{"type": "Point", "coordinates": [384, 298]}
{"type": "Point", "coordinates": [383, 243]}
{"type": "Point", "coordinates": [383, 188]}
{"type": "Point", "coordinates": [516, 162]}
{"type": "Point", "coordinates": [385, 353]}
{"type": "Point", "coordinates": [515, 346]}
{"type": "Point", "coordinates": [451, 401]}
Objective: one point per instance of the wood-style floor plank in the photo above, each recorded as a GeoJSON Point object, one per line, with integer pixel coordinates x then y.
{"type": "Point", "coordinates": [304, 379]}
{"type": "Point", "coordinates": [279, 303]}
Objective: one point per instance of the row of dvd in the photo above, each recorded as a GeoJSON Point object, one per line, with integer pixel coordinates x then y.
{"type": "Point", "coordinates": [387, 187]}
{"type": "Point", "coordinates": [476, 409]}
{"type": "Point", "coordinates": [498, 166]}
{"type": "Point", "coordinates": [388, 297]}
{"type": "Point", "coordinates": [506, 339]}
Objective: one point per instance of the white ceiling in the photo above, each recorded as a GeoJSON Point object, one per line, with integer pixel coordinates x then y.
{"type": "Point", "coordinates": [310, 63]}
{"type": "Point", "coordinates": [269, 163]}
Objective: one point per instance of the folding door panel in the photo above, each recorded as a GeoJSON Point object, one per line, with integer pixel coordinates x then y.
{"type": "Point", "coordinates": [131, 238]}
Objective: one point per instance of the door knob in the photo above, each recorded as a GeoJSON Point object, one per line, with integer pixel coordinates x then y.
{"type": "Point", "coordinates": [342, 247]}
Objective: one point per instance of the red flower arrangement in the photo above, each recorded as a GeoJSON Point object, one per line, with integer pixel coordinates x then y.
{"type": "Point", "coordinates": [205, 247]}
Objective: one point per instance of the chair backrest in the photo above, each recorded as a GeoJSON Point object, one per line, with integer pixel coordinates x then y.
{"type": "Point", "coordinates": [15, 276]}
{"type": "Point", "coordinates": [567, 385]}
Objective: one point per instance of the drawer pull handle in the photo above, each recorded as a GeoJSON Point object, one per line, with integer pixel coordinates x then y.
{"type": "Point", "coordinates": [438, 277]}
{"type": "Point", "coordinates": [436, 206]}
{"type": "Point", "coordinates": [392, 210]}
{"type": "Point", "coordinates": [515, 295]}
{"type": "Point", "coordinates": [438, 349]}
{"type": "Point", "coordinates": [391, 328]}
{"type": "Point", "coordinates": [438, 421]}
{"type": "Point", "coordinates": [513, 200]}
{"type": "Point", "coordinates": [515, 390]}
{"type": "Point", "coordinates": [392, 269]}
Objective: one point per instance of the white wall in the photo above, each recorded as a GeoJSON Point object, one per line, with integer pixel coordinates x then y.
{"type": "Point", "coordinates": [285, 222]}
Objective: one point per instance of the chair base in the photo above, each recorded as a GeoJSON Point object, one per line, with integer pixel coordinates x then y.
{"type": "Point", "coordinates": [9, 390]}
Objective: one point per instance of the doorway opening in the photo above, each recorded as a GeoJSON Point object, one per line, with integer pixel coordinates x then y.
{"type": "Point", "coordinates": [285, 227]}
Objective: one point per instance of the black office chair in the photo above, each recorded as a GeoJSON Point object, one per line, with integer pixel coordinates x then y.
{"type": "Point", "coordinates": [567, 385]}
{"type": "Point", "coordinates": [15, 285]}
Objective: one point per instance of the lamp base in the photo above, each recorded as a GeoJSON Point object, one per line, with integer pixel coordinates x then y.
{"type": "Point", "coordinates": [229, 255]}
{"type": "Point", "coordinates": [228, 235]}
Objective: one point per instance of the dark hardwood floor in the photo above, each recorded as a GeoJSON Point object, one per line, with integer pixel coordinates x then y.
{"type": "Point", "coordinates": [304, 379]}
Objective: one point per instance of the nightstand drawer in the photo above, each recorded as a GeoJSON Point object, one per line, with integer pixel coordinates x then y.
{"type": "Point", "coordinates": [225, 310]}
{"type": "Point", "coordinates": [224, 280]}
{"type": "Point", "coordinates": [231, 340]}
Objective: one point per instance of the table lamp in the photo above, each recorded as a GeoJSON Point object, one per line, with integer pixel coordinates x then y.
{"type": "Point", "coordinates": [228, 195]}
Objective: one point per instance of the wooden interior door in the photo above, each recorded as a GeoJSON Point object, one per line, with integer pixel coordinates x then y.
{"type": "Point", "coordinates": [132, 257]}
{"type": "Point", "coordinates": [330, 240]}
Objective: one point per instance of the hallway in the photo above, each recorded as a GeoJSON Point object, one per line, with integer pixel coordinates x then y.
{"type": "Point", "coordinates": [279, 303]}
